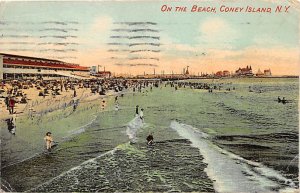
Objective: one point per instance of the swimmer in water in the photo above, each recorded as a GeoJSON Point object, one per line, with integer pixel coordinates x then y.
{"type": "Point", "coordinates": [150, 139]}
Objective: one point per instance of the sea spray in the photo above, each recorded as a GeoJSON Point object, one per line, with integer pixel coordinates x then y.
{"type": "Point", "coordinates": [132, 128]}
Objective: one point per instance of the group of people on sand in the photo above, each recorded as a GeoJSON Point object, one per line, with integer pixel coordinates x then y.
{"type": "Point", "coordinates": [13, 92]}
{"type": "Point", "coordinates": [10, 90]}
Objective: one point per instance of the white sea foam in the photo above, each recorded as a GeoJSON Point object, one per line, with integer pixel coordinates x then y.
{"type": "Point", "coordinates": [132, 128]}
{"type": "Point", "coordinates": [230, 172]}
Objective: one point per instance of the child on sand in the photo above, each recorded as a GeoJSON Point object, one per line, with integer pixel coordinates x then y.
{"type": "Point", "coordinates": [48, 139]}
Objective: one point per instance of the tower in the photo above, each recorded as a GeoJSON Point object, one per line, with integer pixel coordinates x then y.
{"type": "Point", "coordinates": [187, 70]}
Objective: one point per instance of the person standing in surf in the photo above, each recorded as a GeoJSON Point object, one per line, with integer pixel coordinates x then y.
{"type": "Point", "coordinates": [142, 115]}
{"type": "Point", "coordinates": [48, 139]}
{"type": "Point", "coordinates": [137, 110]}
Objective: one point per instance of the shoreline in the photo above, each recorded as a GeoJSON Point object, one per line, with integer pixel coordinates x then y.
{"type": "Point", "coordinates": [55, 113]}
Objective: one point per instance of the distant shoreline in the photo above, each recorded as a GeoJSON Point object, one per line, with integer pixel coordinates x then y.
{"type": "Point", "coordinates": [187, 78]}
{"type": "Point", "coordinates": [226, 78]}
{"type": "Point", "coordinates": [246, 77]}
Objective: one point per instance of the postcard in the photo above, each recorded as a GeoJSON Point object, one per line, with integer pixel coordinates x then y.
{"type": "Point", "coordinates": [149, 96]}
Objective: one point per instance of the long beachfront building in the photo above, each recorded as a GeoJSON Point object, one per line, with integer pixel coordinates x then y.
{"type": "Point", "coordinates": [25, 67]}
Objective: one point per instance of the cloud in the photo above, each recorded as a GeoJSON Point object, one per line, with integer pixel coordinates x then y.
{"type": "Point", "coordinates": [101, 25]}
{"type": "Point", "coordinates": [217, 33]}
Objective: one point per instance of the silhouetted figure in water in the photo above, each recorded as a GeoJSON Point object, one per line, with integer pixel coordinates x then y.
{"type": "Point", "coordinates": [150, 139]}
{"type": "Point", "coordinates": [283, 100]}
{"type": "Point", "coordinates": [279, 99]}
{"type": "Point", "coordinates": [137, 110]}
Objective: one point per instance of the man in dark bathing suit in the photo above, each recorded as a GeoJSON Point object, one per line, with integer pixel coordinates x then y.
{"type": "Point", "coordinates": [150, 139]}
{"type": "Point", "coordinates": [137, 110]}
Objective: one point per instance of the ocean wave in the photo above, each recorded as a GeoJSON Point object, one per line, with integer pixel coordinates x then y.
{"type": "Point", "coordinates": [132, 128]}
{"type": "Point", "coordinates": [230, 172]}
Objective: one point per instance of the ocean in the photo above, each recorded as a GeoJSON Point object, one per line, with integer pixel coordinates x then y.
{"type": "Point", "coordinates": [240, 140]}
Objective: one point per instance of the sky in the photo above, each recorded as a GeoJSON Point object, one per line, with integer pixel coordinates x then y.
{"type": "Point", "coordinates": [133, 37]}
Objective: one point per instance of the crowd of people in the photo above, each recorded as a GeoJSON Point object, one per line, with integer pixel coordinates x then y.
{"type": "Point", "coordinates": [13, 93]}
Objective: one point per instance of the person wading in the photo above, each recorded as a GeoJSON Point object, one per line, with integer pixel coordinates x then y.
{"type": "Point", "coordinates": [48, 139]}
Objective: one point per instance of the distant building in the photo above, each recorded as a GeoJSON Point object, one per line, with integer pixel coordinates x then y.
{"type": "Point", "coordinates": [244, 71]}
{"type": "Point", "coordinates": [224, 73]}
{"type": "Point", "coordinates": [103, 74]}
{"type": "Point", "coordinates": [204, 74]}
{"type": "Point", "coordinates": [93, 70]}
{"type": "Point", "coordinates": [26, 67]}
{"type": "Point", "coordinates": [267, 72]}
{"type": "Point", "coordinates": [219, 74]}
{"type": "Point", "coordinates": [259, 73]}
{"type": "Point", "coordinates": [187, 71]}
